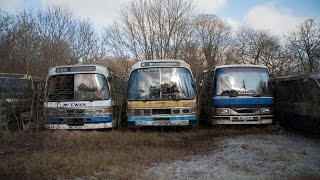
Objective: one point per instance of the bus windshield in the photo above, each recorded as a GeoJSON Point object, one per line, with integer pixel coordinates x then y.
{"type": "Point", "coordinates": [161, 84]}
{"type": "Point", "coordinates": [242, 81]}
{"type": "Point", "coordinates": [68, 87]}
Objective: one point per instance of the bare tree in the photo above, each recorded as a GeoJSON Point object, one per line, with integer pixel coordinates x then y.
{"type": "Point", "coordinates": [56, 27]}
{"type": "Point", "coordinates": [213, 36]}
{"type": "Point", "coordinates": [20, 44]}
{"type": "Point", "coordinates": [150, 29]}
{"type": "Point", "coordinates": [257, 46]}
{"type": "Point", "coordinates": [303, 46]}
{"type": "Point", "coordinates": [86, 45]}
{"type": "Point", "coordinates": [67, 39]}
{"type": "Point", "coordinates": [7, 26]}
{"type": "Point", "coordinates": [37, 40]}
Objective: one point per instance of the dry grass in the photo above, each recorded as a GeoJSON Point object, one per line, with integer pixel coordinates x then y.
{"type": "Point", "coordinates": [99, 154]}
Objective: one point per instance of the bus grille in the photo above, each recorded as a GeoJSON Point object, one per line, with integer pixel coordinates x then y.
{"type": "Point", "coordinates": [161, 111]}
{"type": "Point", "coordinates": [246, 110]}
{"type": "Point", "coordinates": [75, 112]}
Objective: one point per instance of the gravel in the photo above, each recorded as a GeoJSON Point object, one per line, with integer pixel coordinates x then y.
{"type": "Point", "coordinates": [249, 156]}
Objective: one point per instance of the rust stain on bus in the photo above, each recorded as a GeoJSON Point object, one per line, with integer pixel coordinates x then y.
{"type": "Point", "coordinates": [159, 104]}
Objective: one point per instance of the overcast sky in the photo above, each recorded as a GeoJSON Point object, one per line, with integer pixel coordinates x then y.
{"type": "Point", "coordinates": [277, 16]}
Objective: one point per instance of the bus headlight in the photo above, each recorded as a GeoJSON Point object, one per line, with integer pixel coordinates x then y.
{"type": "Point", "coordinates": [221, 111]}
{"type": "Point", "coordinates": [97, 112]}
{"type": "Point", "coordinates": [89, 112]}
{"type": "Point", "coordinates": [186, 111]}
{"type": "Point", "coordinates": [266, 110]}
{"type": "Point", "coordinates": [52, 112]}
{"type": "Point", "coordinates": [175, 111]}
{"type": "Point", "coordinates": [104, 111]}
{"type": "Point", "coordinates": [62, 112]}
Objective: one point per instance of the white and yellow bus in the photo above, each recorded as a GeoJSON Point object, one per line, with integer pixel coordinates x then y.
{"type": "Point", "coordinates": [161, 93]}
{"type": "Point", "coordinates": [84, 97]}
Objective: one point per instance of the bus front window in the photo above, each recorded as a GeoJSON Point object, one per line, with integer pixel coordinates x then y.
{"type": "Point", "coordinates": [160, 84]}
{"type": "Point", "coordinates": [90, 87]}
{"type": "Point", "coordinates": [77, 87]}
{"type": "Point", "coordinates": [243, 81]}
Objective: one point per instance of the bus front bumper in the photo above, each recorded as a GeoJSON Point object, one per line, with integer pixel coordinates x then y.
{"type": "Point", "coordinates": [79, 122]}
{"type": "Point", "coordinates": [266, 119]}
{"type": "Point", "coordinates": [83, 126]}
{"type": "Point", "coordinates": [162, 121]}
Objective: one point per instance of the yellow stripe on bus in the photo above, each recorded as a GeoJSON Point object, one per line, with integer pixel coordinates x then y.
{"type": "Point", "coordinates": [160, 104]}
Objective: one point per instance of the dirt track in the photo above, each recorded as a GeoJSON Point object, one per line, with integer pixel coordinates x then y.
{"type": "Point", "coordinates": [279, 155]}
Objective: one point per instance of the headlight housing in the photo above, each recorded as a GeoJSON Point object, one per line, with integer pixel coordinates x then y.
{"type": "Point", "coordinates": [266, 110]}
{"type": "Point", "coordinates": [53, 112]}
{"type": "Point", "coordinates": [98, 112]}
{"type": "Point", "coordinates": [221, 111]}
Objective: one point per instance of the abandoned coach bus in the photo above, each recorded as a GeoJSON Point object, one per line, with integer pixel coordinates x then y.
{"type": "Point", "coordinates": [297, 102]}
{"type": "Point", "coordinates": [161, 93]}
{"type": "Point", "coordinates": [237, 94]}
{"type": "Point", "coordinates": [21, 101]}
{"type": "Point", "coordinates": [84, 97]}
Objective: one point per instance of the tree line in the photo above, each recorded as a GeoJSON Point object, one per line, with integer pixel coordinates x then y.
{"type": "Point", "coordinates": [33, 41]}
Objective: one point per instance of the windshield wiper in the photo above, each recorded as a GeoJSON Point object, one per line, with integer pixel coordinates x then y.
{"type": "Point", "coordinates": [230, 93]}
{"type": "Point", "coordinates": [244, 86]}
{"type": "Point", "coordinates": [99, 92]}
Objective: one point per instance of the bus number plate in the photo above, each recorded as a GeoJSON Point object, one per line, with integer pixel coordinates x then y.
{"type": "Point", "coordinates": [245, 117]}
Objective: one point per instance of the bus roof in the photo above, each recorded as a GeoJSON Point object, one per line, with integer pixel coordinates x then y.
{"type": "Point", "coordinates": [239, 65]}
{"type": "Point", "coordinates": [83, 68]}
{"type": "Point", "coordinates": [160, 63]}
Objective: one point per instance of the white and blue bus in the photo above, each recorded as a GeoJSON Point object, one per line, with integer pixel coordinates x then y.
{"type": "Point", "coordinates": [84, 97]}
{"type": "Point", "coordinates": [237, 94]}
{"type": "Point", "coordinates": [161, 93]}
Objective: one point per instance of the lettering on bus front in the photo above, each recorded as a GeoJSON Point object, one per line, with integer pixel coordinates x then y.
{"type": "Point", "coordinates": [74, 104]}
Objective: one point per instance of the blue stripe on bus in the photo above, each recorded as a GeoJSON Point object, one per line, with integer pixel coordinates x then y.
{"type": "Point", "coordinates": [218, 101]}
{"type": "Point", "coordinates": [171, 118]}
{"type": "Point", "coordinates": [84, 119]}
